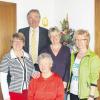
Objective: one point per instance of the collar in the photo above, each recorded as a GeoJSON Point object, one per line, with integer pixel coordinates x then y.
{"type": "Point", "coordinates": [36, 29]}
{"type": "Point", "coordinates": [12, 53]}
{"type": "Point", "coordinates": [88, 53]}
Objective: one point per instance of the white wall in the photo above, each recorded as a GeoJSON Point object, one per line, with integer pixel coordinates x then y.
{"type": "Point", "coordinates": [14, 1]}
{"type": "Point", "coordinates": [45, 7]}
{"type": "Point", "coordinates": [80, 13]}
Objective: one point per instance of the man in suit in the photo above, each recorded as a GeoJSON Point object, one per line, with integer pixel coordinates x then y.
{"type": "Point", "coordinates": [42, 39]}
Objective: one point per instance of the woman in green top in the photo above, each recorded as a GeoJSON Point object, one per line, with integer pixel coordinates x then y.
{"type": "Point", "coordinates": [85, 67]}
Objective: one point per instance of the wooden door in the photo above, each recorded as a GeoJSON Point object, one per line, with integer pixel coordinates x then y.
{"type": "Point", "coordinates": [7, 28]}
{"type": "Point", "coordinates": [7, 25]}
{"type": "Point", "coordinates": [97, 33]}
{"type": "Point", "coordinates": [97, 27]}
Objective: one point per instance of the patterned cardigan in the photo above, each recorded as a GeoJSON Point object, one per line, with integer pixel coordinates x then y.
{"type": "Point", "coordinates": [19, 73]}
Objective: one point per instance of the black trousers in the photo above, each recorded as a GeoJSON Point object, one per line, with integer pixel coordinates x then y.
{"type": "Point", "coordinates": [75, 97]}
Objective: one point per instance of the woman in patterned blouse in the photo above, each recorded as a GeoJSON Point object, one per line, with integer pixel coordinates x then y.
{"type": "Point", "coordinates": [18, 67]}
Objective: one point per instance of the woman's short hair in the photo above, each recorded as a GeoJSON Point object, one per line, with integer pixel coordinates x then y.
{"type": "Point", "coordinates": [54, 29]}
{"type": "Point", "coordinates": [19, 35]}
{"type": "Point", "coordinates": [43, 56]}
{"type": "Point", "coordinates": [82, 32]}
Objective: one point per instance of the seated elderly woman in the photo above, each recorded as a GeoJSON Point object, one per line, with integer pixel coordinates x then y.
{"type": "Point", "coordinates": [49, 86]}
{"type": "Point", "coordinates": [19, 66]}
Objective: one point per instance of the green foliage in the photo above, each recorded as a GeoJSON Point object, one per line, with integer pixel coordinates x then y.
{"type": "Point", "coordinates": [64, 24]}
{"type": "Point", "coordinates": [67, 33]}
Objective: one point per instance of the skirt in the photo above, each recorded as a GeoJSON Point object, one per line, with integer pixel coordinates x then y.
{"type": "Point", "coordinates": [18, 96]}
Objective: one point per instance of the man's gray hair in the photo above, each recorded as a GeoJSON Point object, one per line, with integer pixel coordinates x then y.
{"type": "Point", "coordinates": [34, 10]}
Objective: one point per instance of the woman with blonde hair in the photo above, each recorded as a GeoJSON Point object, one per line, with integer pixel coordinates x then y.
{"type": "Point", "coordinates": [85, 67]}
{"type": "Point", "coordinates": [60, 55]}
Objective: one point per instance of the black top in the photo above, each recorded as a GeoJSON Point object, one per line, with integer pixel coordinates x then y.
{"type": "Point", "coordinates": [61, 63]}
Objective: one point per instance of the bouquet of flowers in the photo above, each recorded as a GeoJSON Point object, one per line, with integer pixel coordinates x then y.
{"type": "Point", "coordinates": [67, 33]}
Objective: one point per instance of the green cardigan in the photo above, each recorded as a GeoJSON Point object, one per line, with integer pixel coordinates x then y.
{"type": "Point", "coordinates": [88, 73]}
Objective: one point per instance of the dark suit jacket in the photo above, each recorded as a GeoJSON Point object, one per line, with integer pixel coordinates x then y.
{"type": "Point", "coordinates": [43, 38]}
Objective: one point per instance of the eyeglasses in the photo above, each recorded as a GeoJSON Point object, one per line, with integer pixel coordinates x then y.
{"type": "Point", "coordinates": [80, 39]}
{"type": "Point", "coordinates": [17, 41]}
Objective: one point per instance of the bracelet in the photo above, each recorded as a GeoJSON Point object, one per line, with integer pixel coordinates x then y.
{"type": "Point", "coordinates": [92, 96]}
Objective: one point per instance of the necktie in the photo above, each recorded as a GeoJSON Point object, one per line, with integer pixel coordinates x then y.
{"type": "Point", "coordinates": [33, 47]}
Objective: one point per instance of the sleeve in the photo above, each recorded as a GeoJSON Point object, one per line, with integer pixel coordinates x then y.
{"type": "Point", "coordinates": [4, 85]}
{"type": "Point", "coordinates": [68, 60]}
{"type": "Point", "coordinates": [94, 70]}
{"type": "Point", "coordinates": [20, 30]}
{"type": "Point", "coordinates": [4, 64]}
{"type": "Point", "coordinates": [60, 90]}
{"type": "Point", "coordinates": [43, 50]}
{"type": "Point", "coordinates": [31, 65]}
{"type": "Point", "coordinates": [31, 90]}
{"type": "Point", "coordinates": [33, 68]}
{"type": "Point", "coordinates": [3, 77]}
